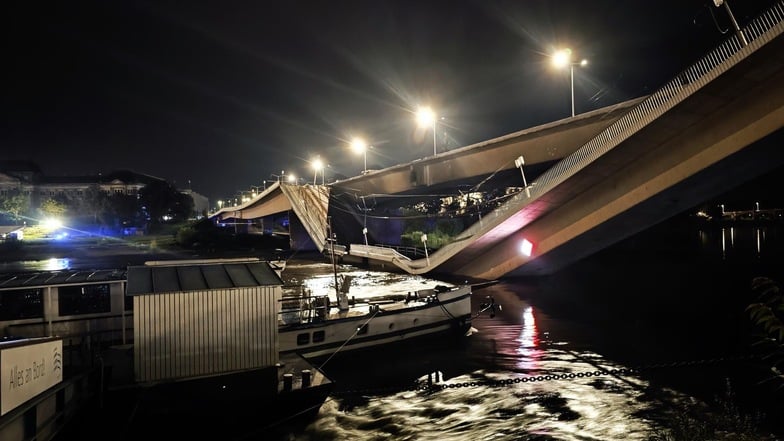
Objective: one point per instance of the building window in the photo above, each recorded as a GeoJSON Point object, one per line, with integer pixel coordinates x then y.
{"type": "Point", "coordinates": [21, 304]}
{"type": "Point", "coordinates": [84, 299]}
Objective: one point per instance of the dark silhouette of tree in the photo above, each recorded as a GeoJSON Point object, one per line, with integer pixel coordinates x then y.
{"type": "Point", "coordinates": [125, 209]}
{"type": "Point", "coordinates": [767, 316]}
{"type": "Point", "coordinates": [95, 203]}
{"type": "Point", "coordinates": [182, 208]}
{"type": "Point", "coordinates": [159, 199]}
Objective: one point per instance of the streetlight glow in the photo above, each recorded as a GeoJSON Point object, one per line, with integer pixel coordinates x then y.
{"type": "Point", "coordinates": [563, 58]}
{"type": "Point", "coordinates": [318, 166]}
{"type": "Point", "coordinates": [360, 146]}
{"type": "Point", "coordinates": [426, 118]}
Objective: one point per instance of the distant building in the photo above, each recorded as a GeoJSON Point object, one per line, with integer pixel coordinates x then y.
{"type": "Point", "coordinates": [201, 204]}
{"type": "Point", "coordinates": [26, 178]}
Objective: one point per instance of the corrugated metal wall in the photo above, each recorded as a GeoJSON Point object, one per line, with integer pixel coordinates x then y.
{"type": "Point", "coordinates": [188, 334]}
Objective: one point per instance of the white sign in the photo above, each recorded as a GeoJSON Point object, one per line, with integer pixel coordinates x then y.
{"type": "Point", "coordinates": [26, 371]}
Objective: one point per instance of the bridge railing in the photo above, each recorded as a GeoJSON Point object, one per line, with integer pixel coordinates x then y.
{"type": "Point", "coordinates": [758, 32]}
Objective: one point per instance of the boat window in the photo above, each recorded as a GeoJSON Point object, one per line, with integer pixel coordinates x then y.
{"type": "Point", "coordinates": [318, 336]}
{"type": "Point", "coordinates": [84, 299]}
{"type": "Point", "coordinates": [21, 304]}
{"type": "Point", "coordinates": [303, 339]}
{"type": "Point", "coordinates": [362, 329]}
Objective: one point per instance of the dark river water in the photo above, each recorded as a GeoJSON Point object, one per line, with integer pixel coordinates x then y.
{"type": "Point", "coordinates": [669, 302]}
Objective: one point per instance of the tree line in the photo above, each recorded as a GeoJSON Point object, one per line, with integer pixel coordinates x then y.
{"type": "Point", "coordinates": [156, 203]}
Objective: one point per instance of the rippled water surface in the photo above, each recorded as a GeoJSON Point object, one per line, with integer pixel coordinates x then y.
{"type": "Point", "coordinates": [648, 302]}
{"type": "Point", "coordinates": [520, 342]}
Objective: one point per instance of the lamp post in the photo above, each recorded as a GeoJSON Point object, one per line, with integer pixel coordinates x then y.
{"type": "Point", "coordinates": [426, 118]}
{"type": "Point", "coordinates": [563, 58]}
{"type": "Point", "coordinates": [318, 166]}
{"type": "Point", "coordinates": [360, 146]}
{"type": "Point", "coordinates": [281, 175]}
{"type": "Point", "coordinates": [519, 163]}
{"type": "Point", "coordinates": [738, 30]}
{"type": "Point", "coordinates": [424, 242]}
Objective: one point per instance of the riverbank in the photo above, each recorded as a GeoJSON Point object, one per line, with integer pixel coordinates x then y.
{"type": "Point", "coordinates": [109, 252]}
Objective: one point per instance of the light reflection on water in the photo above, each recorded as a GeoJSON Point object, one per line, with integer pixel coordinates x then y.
{"type": "Point", "coordinates": [51, 264]}
{"type": "Point", "coordinates": [319, 278]}
{"type": "Point", "coordinates": [514, 345]}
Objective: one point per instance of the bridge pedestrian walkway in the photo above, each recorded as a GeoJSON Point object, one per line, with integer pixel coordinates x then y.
{"type": "Point", "coordinates": [310, 203]}
{"type": "Point", "coordinates": [711, 110]}
{"type": "Point", "coordinates": [548, 190]}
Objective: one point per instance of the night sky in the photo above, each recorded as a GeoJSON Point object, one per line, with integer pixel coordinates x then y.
{"type": "Point", "coordinates": [224, 94]}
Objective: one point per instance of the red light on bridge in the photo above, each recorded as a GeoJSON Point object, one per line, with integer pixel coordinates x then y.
{"type": "Point", "coordinates": [526, 247]}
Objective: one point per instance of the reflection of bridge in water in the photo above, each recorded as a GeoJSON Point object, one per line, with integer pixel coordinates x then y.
{"type": "Point", "coordinates": [593, 179]}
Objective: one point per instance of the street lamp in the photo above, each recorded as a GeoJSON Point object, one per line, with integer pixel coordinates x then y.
{"type": "Point", "coordinates": [281, 175]}
{"type": "Point", "coordinates": [519, 163]}
{"type": "Point", "coordinates": [318, 166]}
{"type": "Point", "coordinates": [360, 146]}
{"type": "Point", "coordinates": [426, 118]}
{"type": "Point", "coordinates": [738, 30]}
{"type": "Point", "coordinates": [563, 58]}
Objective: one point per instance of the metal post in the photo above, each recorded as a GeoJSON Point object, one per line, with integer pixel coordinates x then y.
{"type": "Point", "coordinates": [571, 82]}
{"type": "Point", "coordinates": [738, 30]}
{"type": "Point", "coordinates": [519, 162]}
{"type": "Point", "coordinates": [424, 242]}
{"type": "Point", "coordinates": [434, 135]}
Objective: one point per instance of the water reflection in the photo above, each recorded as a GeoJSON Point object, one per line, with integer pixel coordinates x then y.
{"type": "Point", "coordinates": [529, 342]}
{"type": "Point", "coordinates": [514, 345]}
{"type": "Point", "coordinates": [319, 279]}
{"type": "Point", "coordinates": [738, 242]}
{"type": "Point", "coordinates": [55, 264]}
{"type": "Point", "coordinates": [724, 234]}
{"type": "Point", "coordinates": [52, 264]}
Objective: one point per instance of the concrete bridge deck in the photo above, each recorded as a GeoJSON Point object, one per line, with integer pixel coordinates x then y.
{"type": "Point", "coordinates": [622, 169]}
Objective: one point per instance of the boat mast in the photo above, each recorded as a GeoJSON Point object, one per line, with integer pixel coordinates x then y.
{"type": "Point", "coordinates": [331, 241]}
{"type": "Point", "coordinates": [341, 292]}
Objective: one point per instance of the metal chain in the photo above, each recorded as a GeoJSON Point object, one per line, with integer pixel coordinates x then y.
{"type": "Point", "coordinates": [431, 386]}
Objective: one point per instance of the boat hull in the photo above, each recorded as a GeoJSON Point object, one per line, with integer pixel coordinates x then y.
{"type": "Point", "coordinates": [380, 324]}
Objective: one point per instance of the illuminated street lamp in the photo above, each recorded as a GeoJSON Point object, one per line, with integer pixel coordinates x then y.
{"type": "Point", "coordinates": [519, 163]}
{"type": "Point", "coordinates": [360, 146]}
{"type": "Point", "coordinates": [282, 174]}
{"type": "Point", "coordinates": [427, 118]}
{"type": "Point", "coordinates": [318, 166]}
{"type": "Point", "coordinates": [563, 58]}
{"type": "Point", "coordinates": [424, 242]}
{"type": "Point", "coordinates": [292, 179]}
{"type": "Point", "coordinates": [220, 204]}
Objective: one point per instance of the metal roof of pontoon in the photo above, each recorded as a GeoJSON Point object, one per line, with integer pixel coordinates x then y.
{"type": "Point", "coordinates": [39, 279]}
{"type": "Point", "coordinates": [182, 276]}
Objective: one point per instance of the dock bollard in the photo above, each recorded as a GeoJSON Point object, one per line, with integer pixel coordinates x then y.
{"type": "Point", "coordinates": [288, 380]}
{"type": "Point", "coordinates": [305, 378]}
